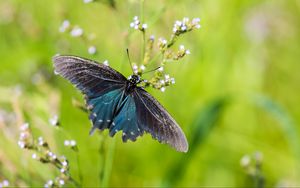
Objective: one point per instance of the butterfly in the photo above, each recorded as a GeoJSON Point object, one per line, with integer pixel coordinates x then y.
{"type": "Point", "coordinates": [119, 104]}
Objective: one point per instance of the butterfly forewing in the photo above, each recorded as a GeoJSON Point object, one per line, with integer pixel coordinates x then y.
{"type": "Point", "coordinates": [158, 122]}
{"type": "Point", "coordinates": [87, 75]}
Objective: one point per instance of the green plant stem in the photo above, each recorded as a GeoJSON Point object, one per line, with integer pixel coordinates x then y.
{"type": "Point", "coordinates": [69, 176]}
{"type": "Point", "coordinates": [155, 58]}
{"type": "Point", "coordinates": [143, 32]}
{"type": "Point", "coordinates": [78, 167]}
{"type": "Point", "coordinates": [109, 158]}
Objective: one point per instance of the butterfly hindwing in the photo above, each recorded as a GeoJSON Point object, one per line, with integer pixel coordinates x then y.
{"type": "Point", "coordinates": [127, 120]}
{"type": "Point", "coordinates": [158, 122]}
{"type": "Point", "coordinates": [104, 108]}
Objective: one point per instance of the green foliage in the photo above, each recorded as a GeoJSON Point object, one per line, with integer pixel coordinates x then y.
{"type": "Point", "coordinates": [242, 74]}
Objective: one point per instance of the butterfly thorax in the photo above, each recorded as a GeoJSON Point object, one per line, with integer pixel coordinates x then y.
{"type": "Point", "coordinates": [132, 82]}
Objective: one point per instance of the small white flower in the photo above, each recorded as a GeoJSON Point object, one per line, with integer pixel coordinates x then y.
{"type": "Point", "coordinates": [88, 1]}
{"type": "Point", "coordinates": [160, 69]}
{"type": "Point", "coordinates": [46, 185]}
{"type": "Point", "coordinates": [142, 67]}
{"type": "Point", "coordinates": [162, 82]}
{"type": "Point", "coordinates": [40, 141]}
{"type": "Point", "coordinates": [5, 183]}
{"type": "Point", "coordinates": [152, 37]}
{"type": "Point", "coordinates": [50, 182]}
{"type": "Point", "coordinates": [167, 77]}
{"type": "Point", "coordinates": [64, 26]}
{"type": "Point", "coordinates": [50, 154]}
{"type": "Point", "coordinates": [181, 47]}
{"type": "Point", "coordinates": [21, 144]}
{"type": "Point", "coordinates": [198, 26]}
{"type": "Point", "coordinates": [24, 127]}
{"type": "Point", "coordinates": [132, 24]}
{"type": "Point", "coordinates": [258, 156]}
{"type": "Point", "coordinates": [164, 41]}
{"type": "Point", "coordinates": [136, 27]}
{"type": "Point", "coordinates": [178, 23]}
{"type": "Point", "coordinates": [62, 170]}
{"type": "Point", "coordinates": [245, 161]}
{"type": "Point", "coordinates": [135, 18]}
{"type": "Point", "coordinates": [172, 80]}
{"type": "Point", "coordinates": [106, 63]}
{"type": "Point", "coordinates": [53, 157]}
{"type": "Point", "coordinates": [34, 156]}
{"type": "Point", "coordinates": [185, 20]}
{"type": "Point", "coordinates": [66, 142]}
{"type": "Point", "coordinates": [137, 22]}
{"type": "Point", "coordinates": [195, 20]}
{"type": "Point", "coordinates": [61, 182]}
{"type": "Point", "coordinates": [183, 28]}
{"type": "Point", "coordinates": [187, 52]}
{"type": "Point", "coordinates": [135, 67]}
{"type": "Point", "coordinates": [64, 163]}
{"type": "Point", "coordinates": [54, 120]}
{"type": "Point", "coordinates": [162, 89]}
{"type": "Point", "coordinates": [76, 32]}
{"type": "Point", "coordinates": [144, 26]}
{"type": "Point", "coordinates": [92, 50]}
{"type": "Point", "coordinates": [23, 135]}
{"type": "Point", "coordinates": [73, 143]}
{"type": "Point", "coordinates": [174, 29]}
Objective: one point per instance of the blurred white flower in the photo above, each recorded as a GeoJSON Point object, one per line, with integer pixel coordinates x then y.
{"type": "Point", "coordinates": [66, 142]}
{"type": "Point", "coordinates": [144, 26]}
{"type": "Point", "coordinates": [181, 47]}
{"type": "Point", "coordinates": [64, 163]}
{"type": "Point", "coordinates": [61, 182]}
{"type": "Point", "coordinates": [142, 67]}
{"type": "Point", "coordinates": [40, 141]}
{"type": "Point", "coordinates": [64, 26]}
{"type": "Point", "coordinates": [34, 156]}
{"type": "Point", "coordinates": [24, 127]}
{"type": "Point", "coordinates": [92, 50]}
{"type": "Point", "coordinates": [172, 80]}
{"type": "Point", "coordinates": [106, 63]}
{"type": "Point", "coordinates": [245, 161]}
{"type": "Point", "coordinates": [5, 183]}
{"type": "Point", "coordinates": [53, 120]}
{"type": "Point", "coordinates": [73, 143]}
{"type": "Point", "coordinates": [88, 1]}
{"type": "Point", "coordinates": [21, 144]}
{"type": "Point", "coordinates": [76, 32]}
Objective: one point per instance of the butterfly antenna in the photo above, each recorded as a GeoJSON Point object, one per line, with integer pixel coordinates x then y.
{"type": "Point", "coordinates": [129, 59]}
{"type": "Point", "coordinates": [151, 70]}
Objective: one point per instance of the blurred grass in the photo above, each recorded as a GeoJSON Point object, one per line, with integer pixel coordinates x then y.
{"type": "Point", "coordinates": [244, 49]}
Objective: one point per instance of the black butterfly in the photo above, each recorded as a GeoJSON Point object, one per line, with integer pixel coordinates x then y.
{"type": "Point", "coordinates": [117, 103]}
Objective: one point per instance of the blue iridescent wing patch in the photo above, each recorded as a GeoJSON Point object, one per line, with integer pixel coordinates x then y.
{"type": "Point", "coordinates": [118, 104]}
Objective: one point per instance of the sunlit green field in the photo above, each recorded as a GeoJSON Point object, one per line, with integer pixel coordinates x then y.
{"type": "Point", "coordinates": [236, 95]}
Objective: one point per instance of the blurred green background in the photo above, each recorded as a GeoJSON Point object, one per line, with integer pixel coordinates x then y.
{"type": "Point", "coordinates": [236, 96]}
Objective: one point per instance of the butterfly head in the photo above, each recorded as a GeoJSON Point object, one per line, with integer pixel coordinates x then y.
{"type": "Point", "coordinates": [134, 79]}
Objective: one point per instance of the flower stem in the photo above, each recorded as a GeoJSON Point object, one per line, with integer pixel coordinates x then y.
{"type": "Point", "coordinates": [108, 164]}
